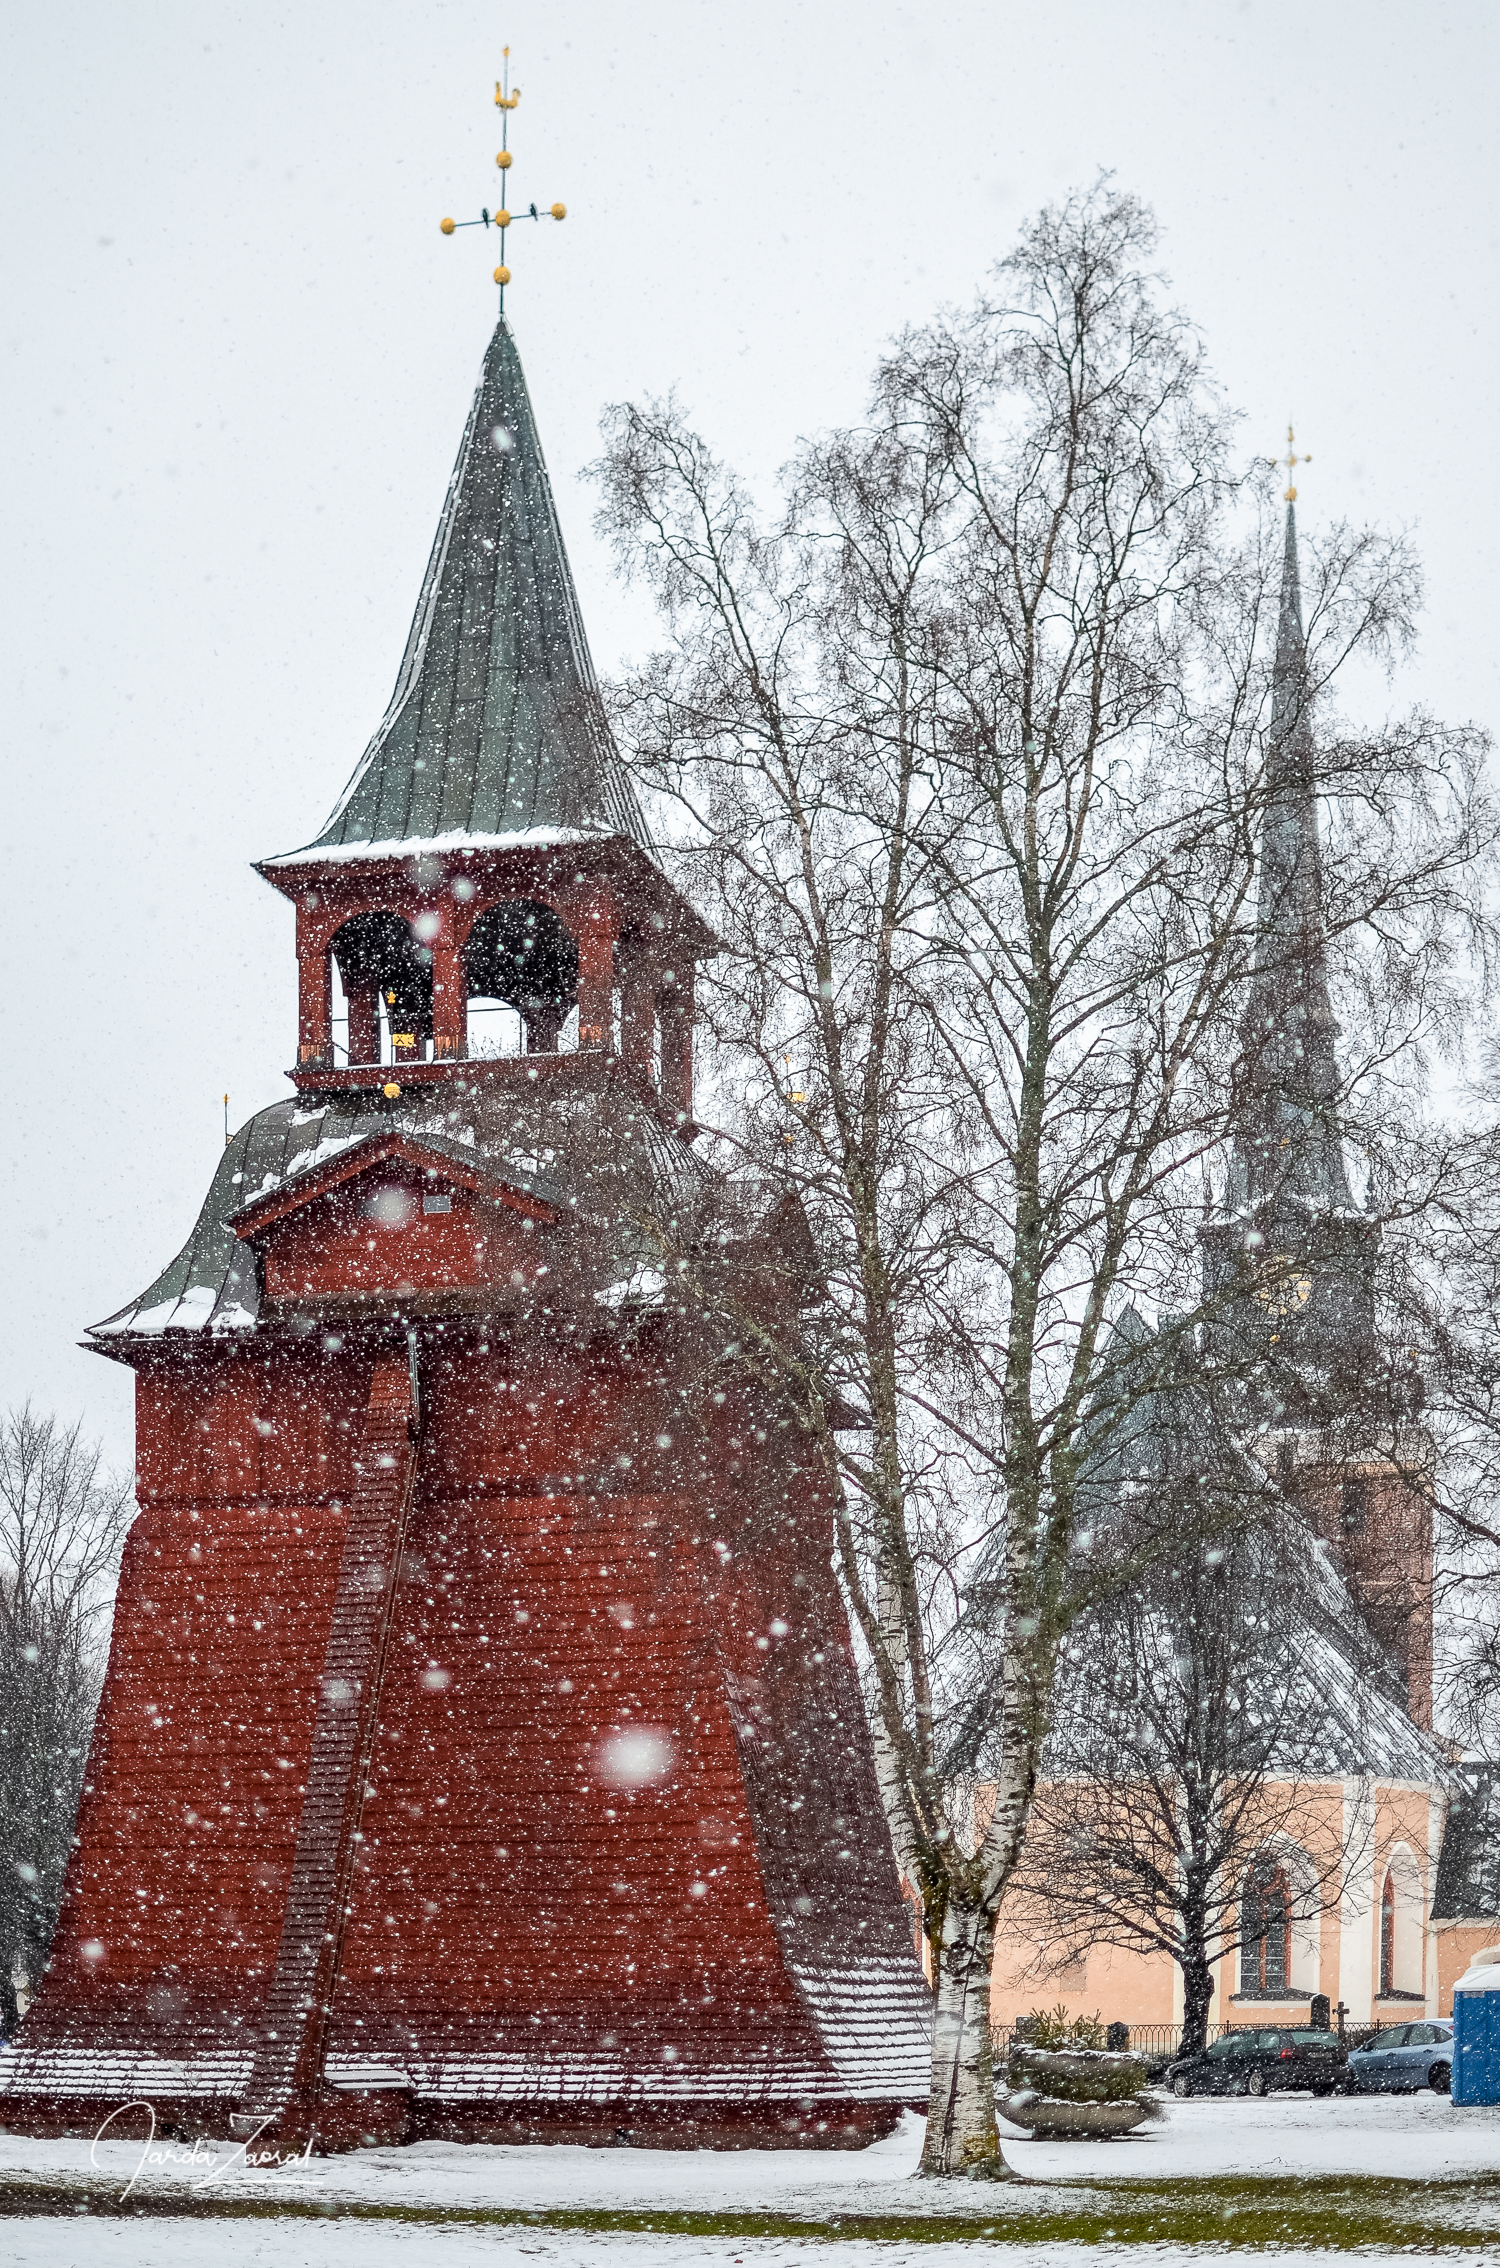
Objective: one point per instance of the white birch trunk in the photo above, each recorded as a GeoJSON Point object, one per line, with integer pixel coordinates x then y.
{"type": "Point", "coordinates": [962, 2137]}
{"type": "Point", "coordinates": [889, 1776]}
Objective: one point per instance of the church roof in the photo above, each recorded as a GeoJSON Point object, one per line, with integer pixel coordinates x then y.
{"type": "Point", "coordinates": [1468, 1871]}
{"type": "Point", "coordinates": [496, 730]}
{"type": "Point", "coordinates": [212, 1288]}
{"type": "Point", "coordinates": [1288, 1146]}
{"type": "Point", "coordinates": [1358, 1719]}
{"type": "Point", "coordinates": [1348, 1715]}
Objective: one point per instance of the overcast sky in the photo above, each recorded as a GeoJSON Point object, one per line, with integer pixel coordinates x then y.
{"type": "Point", "coordinates": [238, 355]}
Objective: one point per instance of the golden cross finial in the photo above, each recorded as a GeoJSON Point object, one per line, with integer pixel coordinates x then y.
{"type": "Point", "coordinates": [1291, 460]}
{"type": "Point", "coordinates": [506, 98]}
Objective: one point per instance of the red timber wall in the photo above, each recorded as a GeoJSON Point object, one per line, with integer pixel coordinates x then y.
{"type": "Point", "coordinates": [623, 1863]}
{"type": "Point", "coordinates": [189, 1815]}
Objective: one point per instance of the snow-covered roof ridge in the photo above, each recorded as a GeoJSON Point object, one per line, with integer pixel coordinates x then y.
{"type": "Point", "coordinates": [212, 1285]}
{"type": "Point", "coordinates": [457, 839]}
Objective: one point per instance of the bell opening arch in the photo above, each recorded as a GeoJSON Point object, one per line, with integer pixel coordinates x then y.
{"type": "Point", "coordinates": [386, 978]}
{"type": "Point", "coordinates": [520, 956]}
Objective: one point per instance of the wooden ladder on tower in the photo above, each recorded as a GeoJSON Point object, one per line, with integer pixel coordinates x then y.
{"type": "Point", "coordinates": [280, 2104]}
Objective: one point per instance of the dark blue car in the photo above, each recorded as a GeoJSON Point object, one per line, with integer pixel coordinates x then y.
{"type": "Point", "coordinates": [1405, 2057]}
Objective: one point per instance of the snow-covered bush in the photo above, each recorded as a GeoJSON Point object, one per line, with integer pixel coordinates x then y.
{"type": "Point", "coordinates": [1064, 2060]}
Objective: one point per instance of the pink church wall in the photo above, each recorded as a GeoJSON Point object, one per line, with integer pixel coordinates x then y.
{"type": "Point", "coordinates": [1143, 1989]}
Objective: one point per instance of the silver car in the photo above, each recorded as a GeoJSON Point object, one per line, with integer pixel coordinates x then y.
{"type": "Point", "coordinates": [1405, 2057]}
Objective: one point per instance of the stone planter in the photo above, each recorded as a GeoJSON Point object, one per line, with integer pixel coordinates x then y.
{"type": "Point", "coordinates": [1054, 2121]}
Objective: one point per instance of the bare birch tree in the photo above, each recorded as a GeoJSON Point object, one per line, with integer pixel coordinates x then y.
{"type": "Point", "coordinates": [63, 1518]}
{"type": "Point", "coordinates": [967, 754]}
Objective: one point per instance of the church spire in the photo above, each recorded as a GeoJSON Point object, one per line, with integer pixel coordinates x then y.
{"type": "Point", "coordinates": [1288, 1150]}
{"type": "Point", "coordinates": [496, 727]}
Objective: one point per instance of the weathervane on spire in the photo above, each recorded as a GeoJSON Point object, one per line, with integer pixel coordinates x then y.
{"type": "Point", "coordinates": [1291, 460]}
{"type": "Point", "coordinates": [506, 99]}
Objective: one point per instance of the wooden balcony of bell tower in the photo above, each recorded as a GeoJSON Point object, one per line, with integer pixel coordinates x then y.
{"type": "Point", "coordinates": [587, 944]}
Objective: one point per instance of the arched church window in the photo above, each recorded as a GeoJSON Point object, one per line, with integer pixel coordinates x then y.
{"type": "Point", "coordinates": [387, 982]}
{"type": "Point", "coordinates": [523, 957]}
{"type": "Point", "coordinates": [1403, 1915]}
{"type": "Point", "coordinates": [1266, 1958]}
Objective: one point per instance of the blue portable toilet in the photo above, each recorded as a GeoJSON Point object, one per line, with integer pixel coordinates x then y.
{"type": "Point", "coordinates": [1476, 2030]}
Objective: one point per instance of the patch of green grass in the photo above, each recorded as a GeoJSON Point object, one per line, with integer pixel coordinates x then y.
{"type": "Point", "coordinates": [1245, 2212]}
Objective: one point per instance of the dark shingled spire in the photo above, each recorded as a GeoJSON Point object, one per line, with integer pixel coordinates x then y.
{"type": "Point", "coordinates": [496, 725]}
{"type": "Point", "coordinates": [1288, 1147]}
{"type": "Point", "coordinates": [1288, 1240]}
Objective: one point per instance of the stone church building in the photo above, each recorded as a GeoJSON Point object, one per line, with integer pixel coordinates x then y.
{"type": "Point", "coordinates": [1419, 1832]}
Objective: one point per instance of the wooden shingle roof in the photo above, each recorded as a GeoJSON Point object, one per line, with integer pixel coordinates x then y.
{"type": "Point", "coordinates": [496, 728]}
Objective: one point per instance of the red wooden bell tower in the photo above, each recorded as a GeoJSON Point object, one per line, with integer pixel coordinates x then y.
{"type": "Point", "coordinates": [481, 1752]}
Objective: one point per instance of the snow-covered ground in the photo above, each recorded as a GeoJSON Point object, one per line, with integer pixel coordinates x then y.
{"type": "Point", "coordinates": [1420, 2136]}
{"type": "Point", "coordinates": [281, 2244]}
{"type": "Point", "coordinates": [1411, 2137]}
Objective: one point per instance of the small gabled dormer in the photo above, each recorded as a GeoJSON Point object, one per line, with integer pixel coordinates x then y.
{"type": "Point", "coordinates": [391, 1220]}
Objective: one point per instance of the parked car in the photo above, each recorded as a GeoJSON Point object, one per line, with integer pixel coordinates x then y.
{"type": "Point", "coordinates": [1260, 2063]}
{"type": "Point", "coordinates": [1405, 2057]}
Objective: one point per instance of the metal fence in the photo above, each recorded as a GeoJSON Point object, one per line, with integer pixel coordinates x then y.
{"type": "Point", "coordinates": [1139, 2039]}
{"type": "Point", "coordinates": [1160, 2042]}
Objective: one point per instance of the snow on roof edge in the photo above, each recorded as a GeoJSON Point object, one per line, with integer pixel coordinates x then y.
{"type": "Point", "coordinates": [419, 846]}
